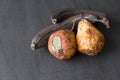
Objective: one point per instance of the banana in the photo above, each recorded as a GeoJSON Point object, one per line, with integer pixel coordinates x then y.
{"type": "Point", "coordinates": [41, 38]}
{"type": "Point", "coordinates": [91, 15]}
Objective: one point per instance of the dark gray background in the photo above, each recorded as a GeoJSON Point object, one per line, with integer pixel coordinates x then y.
{"type": "Point", "coordinates": [20, 20]}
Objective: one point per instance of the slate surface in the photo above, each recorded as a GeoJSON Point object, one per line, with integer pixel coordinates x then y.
{"type": "Point", "coordinates": [20, 20]}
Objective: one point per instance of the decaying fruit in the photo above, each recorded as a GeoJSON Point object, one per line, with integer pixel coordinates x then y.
{"type": "Point", "coordinates": [89, 40]}
{"type": "Point", "coordinates": [91, 15]}
{"type": "Point", "coordinates": [62, 44]}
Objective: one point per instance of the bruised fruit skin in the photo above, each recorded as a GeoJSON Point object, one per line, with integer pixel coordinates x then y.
{"type": "Point", "coordinates": [90, 40]}
{"type": "Point", "coordinates": [62, 44]}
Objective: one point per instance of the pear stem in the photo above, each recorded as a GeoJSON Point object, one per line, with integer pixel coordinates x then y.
{"type": "Point", "coordinates": [73, 25]}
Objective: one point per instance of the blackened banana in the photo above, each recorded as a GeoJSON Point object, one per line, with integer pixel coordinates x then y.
{"type": "Point", "coordinates": [92, 16]}
{"type": "Point", "coordinates": [41, 38]}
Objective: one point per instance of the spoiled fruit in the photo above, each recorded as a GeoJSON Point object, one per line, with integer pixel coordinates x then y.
{"type": "Point", "coordinates": [90, 40]}
{"type": "Point", "coordinates": [62, 44]}
{"type": "Point", "coordinates": [91, 15]}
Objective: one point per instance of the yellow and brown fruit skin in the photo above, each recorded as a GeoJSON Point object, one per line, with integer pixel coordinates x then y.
{"type": "Point", "coordinates": [90, 40]}
{"type": "Point", "coordinates": [64, 42]}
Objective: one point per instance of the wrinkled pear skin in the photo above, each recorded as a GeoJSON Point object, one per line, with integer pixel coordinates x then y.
{"type": "Point", "coordinates": [90, 40]}
{"type": "Point", "coordinates": [62, 44]}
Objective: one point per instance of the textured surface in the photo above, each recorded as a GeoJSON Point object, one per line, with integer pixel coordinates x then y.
{"type": "Point", "coordinates": [20, 20]}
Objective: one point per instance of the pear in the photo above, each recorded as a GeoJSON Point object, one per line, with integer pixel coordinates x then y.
{"type": "Point", "coordinates": [90, 40]}
{"type": "Point", "coordinates": [62, 44]}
